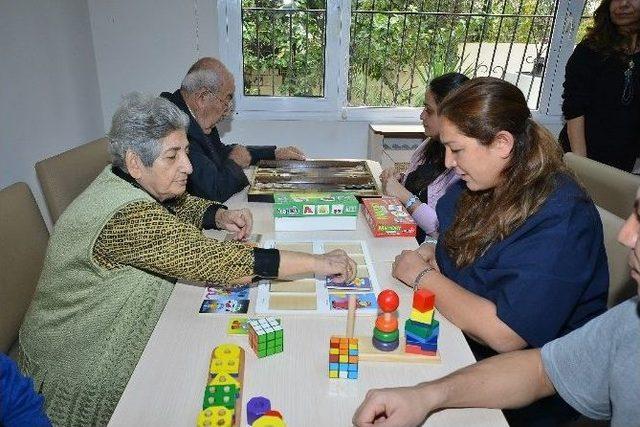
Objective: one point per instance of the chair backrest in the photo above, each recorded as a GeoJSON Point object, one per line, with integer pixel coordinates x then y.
{"type": "Point", "coordinates": [24, 239]}
{"type": "Point", "coordinates": [610, 188]}
{"type": "Point", "coordinates": [621, 285]}
{"type": "Point", "coordinates": [65, 176]}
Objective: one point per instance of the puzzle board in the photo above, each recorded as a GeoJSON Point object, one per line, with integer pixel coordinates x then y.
{"type": "Point", "coordinates": [282, 176]}
{"type": "Point", "coordinates": [311, 295]}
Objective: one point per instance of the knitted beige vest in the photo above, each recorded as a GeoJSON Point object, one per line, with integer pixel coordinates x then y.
{"type": "Point", "coordinates": [87, 326]}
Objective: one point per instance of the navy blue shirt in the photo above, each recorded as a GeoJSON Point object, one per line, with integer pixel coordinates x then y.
{"type": "Point", "coordinates": [215, 176]}
{"type": "Point", "coordinates": [549, 277]}
{"type": "Point", "coordinates": [19, 403]}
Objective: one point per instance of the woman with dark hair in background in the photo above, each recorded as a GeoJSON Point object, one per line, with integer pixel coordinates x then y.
{"type": "Point", "coordinates": [601, 89]}
{"type": "Point", "coordinates": [520, 260]}
{"type": "Point", "coordinates": [427, 178]}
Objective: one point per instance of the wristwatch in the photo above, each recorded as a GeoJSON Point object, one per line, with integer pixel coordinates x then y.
{"type": "Point", "coordinates": [412, 201]}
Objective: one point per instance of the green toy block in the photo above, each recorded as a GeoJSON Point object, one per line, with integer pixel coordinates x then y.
{"type": "Point", "coordinates": [220, 395]}
{"type": "Point", "coordinates": [419, 329]}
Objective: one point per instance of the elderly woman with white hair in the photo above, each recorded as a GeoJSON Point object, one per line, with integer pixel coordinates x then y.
{"type": "Point", "coordinates": [115, 254]}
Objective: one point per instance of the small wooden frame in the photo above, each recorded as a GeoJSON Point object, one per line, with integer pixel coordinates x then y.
{"type": "Point", "coordinates": [277, 176]}
{"type": "Point", "coordinates": [368, 353]}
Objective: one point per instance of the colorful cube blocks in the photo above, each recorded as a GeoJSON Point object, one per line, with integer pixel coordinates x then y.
{"type": "Point", "coordinates": [266, 336]}
{"type": "Point", "coordinates": [421, 329]}
{"type": "Point", "coordinates": [343, 357]}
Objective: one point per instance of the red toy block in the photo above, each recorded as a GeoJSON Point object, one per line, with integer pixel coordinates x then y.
{"type": "Point", "coordinates": [410, 348]}
{"type": "Point", "coordinates": [423, 300]}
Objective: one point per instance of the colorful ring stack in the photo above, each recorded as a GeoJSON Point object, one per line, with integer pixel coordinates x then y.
{"type": "Point", "coordinates": [385, 334]}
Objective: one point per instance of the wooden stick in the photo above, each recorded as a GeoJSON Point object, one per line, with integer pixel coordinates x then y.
{"type": "Point", "coordinates": [351, 315]}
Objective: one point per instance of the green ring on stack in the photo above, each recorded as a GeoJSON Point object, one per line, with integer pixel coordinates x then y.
{"type": "Point", "coordinates": [385, 336]}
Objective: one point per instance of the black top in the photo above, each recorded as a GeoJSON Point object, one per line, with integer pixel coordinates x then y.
{"type": "Point", "coordinates": [593, 88]}
{"type": "Point", "coordinates": [215, 176]}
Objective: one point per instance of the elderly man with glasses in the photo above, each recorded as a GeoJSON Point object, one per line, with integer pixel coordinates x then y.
{"type": "Point", "coordinates": [206, 95]}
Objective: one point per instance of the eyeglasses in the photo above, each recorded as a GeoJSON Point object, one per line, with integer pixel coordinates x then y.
{"type": "Point", "coordinates": [227, 103]}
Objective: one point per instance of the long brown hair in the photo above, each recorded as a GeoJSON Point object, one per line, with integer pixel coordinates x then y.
{"type": "Point", "coordinates": [604, 36]}
{"type": "Point", "coordinates": [480, 109]}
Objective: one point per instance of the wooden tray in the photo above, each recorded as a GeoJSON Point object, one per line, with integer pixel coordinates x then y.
{"type": "Point", "coordinates": [277, 176]}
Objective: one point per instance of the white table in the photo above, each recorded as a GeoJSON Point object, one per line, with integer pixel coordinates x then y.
{"type": "Point", "coordinates": [167, 386]}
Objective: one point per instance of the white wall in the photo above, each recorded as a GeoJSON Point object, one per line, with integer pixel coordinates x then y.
{"type": "Point", "coordinates": [49, 98]}
{"type": "Point", "coordinates": [148, 45]}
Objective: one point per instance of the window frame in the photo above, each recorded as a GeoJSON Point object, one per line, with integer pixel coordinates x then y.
{"type": "Point", "coordinates": [333, 106]}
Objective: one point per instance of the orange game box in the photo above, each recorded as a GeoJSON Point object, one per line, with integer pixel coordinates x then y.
{"type": "Point", "coordinates": [387, 217]}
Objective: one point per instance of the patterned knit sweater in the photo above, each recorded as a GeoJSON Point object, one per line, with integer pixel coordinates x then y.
{"type": "Point", "coordinates": [103, 287]}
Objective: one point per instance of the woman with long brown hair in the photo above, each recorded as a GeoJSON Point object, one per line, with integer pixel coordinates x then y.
{"type": "Point", "coordinates": [602, 88]}
{"type": "Point", "coordinates": [520, 260]}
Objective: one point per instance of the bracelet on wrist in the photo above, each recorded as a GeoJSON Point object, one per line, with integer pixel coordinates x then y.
{"type": "Point", "coordinates": [413, 200]}
{"type": "Point", "coordinates": [419, 277]}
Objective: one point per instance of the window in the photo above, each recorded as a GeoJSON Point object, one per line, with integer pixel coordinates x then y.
{"type": "Point", "coordinates": [586, 20]}
{"type": "Point", "coordinates": [283, 47]}
{"type": "Point", "coordinates": [351, 57]}
{"type": "Point", "coordinates": [397, 47]}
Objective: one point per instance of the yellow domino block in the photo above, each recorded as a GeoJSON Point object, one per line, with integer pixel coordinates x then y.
{"type": "Point", "coordinates": [268, 421]}
{"type": "Point", "coordinates": [344, 358]}
{"type": "Point", "coordinates": [426, 317]}
{"type": "Point", "coordinates": [333, 374]}
{"type": "Point", "coordinates": [224, 366]}
{"type": "Point", "coordinates": [334, 351]}
{"type": "Point", "coordinates": [215, 416]}
{"type": "Point", "coordinates": [227, 352]}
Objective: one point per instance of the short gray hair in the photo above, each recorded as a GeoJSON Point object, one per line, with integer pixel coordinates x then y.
{"type": "Point", "coordinates": [138, 125]}
{"type": "Point", "coordinates": [203, 78]}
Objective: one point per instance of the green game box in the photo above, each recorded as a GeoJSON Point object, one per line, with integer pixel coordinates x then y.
{"type": "Point", "coordinates": [315, 211]}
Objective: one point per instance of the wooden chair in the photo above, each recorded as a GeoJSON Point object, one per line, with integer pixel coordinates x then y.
{"type": "Point", "coordinates": [24, 243]}
{"type": "Point", "coordinates": [64, 176]}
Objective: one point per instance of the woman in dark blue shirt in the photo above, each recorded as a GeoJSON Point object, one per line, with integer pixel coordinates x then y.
{"type": "Point", "coordinates": [521, 259]}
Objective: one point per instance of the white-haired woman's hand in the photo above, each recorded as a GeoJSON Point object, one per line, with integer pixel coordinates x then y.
{"type": "Point", "coordinates": [237, 221]}
{"type": "Point", "coordinates": [337, 265]}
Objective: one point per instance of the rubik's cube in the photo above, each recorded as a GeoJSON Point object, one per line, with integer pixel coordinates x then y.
{"type": "Point", "coordinates": [421, 329]}
{"type": "Point", "coordinates": [266, 336]}
{"type": "Point", "coordinates": [343, 357]}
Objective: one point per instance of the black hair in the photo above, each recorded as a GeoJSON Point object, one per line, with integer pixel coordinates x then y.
{"type": "Point", "coordinates": [432, 155]}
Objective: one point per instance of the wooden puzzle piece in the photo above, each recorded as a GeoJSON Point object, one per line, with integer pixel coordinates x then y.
{"type": "Point", "coordinates": [292, 302]}
{"type": "Point", "coordinates": [298, 286]}
{"type": "Point", "coordinates": [222, 403]}
{"type": "Point", "coordinates": [306, 247]}
{"type": "Point", "coordinates": [349, 247]}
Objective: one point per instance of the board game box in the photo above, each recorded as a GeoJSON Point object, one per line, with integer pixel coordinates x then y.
{"type": "Point", "coordinates": [387, 216]}
{"type": "Point", "coordinates": [315, 211]}
{"type": "Point", "coordinates": [296, 176]}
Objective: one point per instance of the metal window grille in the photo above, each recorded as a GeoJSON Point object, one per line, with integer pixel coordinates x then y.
{"type": "Point", "coordinates": [283, 47]}
{"type": "Point", "coordinates": [396, 46]}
